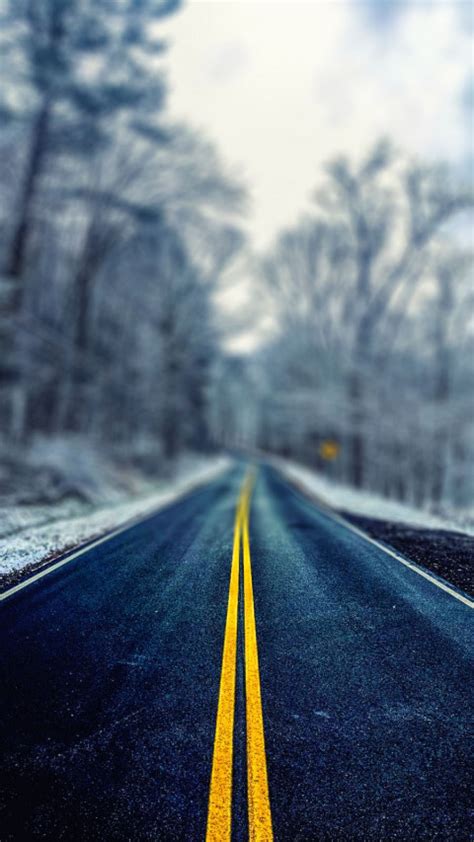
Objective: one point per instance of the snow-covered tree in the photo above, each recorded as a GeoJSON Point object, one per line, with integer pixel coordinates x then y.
{"type": "Point", "coordinates": [363, 297]}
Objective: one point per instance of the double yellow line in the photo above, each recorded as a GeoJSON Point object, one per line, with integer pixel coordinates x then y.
{"type": "Point", "coordinates": [219, 821]}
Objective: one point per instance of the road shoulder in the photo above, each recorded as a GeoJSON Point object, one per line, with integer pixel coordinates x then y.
{"type": "Point", "coordinates": [447, 554]}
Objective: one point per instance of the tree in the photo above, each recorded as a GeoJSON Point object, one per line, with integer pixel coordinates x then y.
{"type": "Point", "coordinates": [73, 65]}
{"type": "Point", "coordinates": [362, 352]}
{"type": "Point", "coordinates": [390, 219]}
{"type": "Point", "coordinates": [58, 42]}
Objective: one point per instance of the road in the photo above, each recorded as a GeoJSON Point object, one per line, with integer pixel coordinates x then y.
{"type": "Point", "coordinates": [338, 709]}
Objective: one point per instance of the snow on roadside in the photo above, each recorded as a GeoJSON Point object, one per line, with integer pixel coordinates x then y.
{"type": "Point", "coordinates": [70, 525]}
{"type": "Point", "coordinates": [364, 503]}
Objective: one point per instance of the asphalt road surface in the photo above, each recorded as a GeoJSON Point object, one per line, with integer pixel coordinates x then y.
{"type": "Point", "coordinates": [338, 708]}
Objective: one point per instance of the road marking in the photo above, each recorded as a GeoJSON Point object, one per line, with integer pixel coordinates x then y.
{"type": "Point", "coordinates": [326, 510]}
{"type": "Point", "coordinates": [91, 544]}
{"type": "Point", "coordinates": [259, 813]}
{"type": "Point", "coordinates": [219, 820]}
{"type": "Point", "coordinates": [414, 567]}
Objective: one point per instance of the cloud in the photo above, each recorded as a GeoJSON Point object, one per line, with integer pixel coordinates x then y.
{"type": "Point", "coordinates": [283, 86]}
{"type": "Point", "coordinates": [227, 61]}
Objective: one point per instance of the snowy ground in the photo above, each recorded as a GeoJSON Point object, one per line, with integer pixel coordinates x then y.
{"type": "Point", "coordinates": [30, 535]}
{"type": "Point", "coordinates": [371, 505]}
{"type": "Point", "coordinates": [102, 498]}
{"type": "Point", "coordinates": [445, 545]}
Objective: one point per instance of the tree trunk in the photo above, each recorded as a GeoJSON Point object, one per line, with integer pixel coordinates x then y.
{"type": "Point", "coordinates": [36, 153]}
{"type": "Point", "coordinates": [356, 440]}
{"type": "Point", "coordinates": [440, 443]}
{"type": "Point", "coordinates": [170, 411]}
{"type": "Point", "coordinates": [170, 432]}
{"type": "Point", "coordinates": [12, 397]}
{"type": "Point", "coordinates": [78, 412]}
{"type": "Point", "coordinates": [441, 394]}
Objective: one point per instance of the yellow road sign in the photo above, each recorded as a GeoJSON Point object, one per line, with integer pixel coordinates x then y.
{"type": "Point", "coordinates": [329, 449]}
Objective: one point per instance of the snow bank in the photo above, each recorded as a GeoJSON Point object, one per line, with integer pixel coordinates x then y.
{"type": "Point", "coordinates": [58, 468]}
{"type": "Point", "coordinates": [364, 503]}
{"type": "Point", "coordinates": [32, 534]}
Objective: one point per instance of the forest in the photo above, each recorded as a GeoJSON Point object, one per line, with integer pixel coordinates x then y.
{"type": "Point", "coordinates": [373, 344]}
{"type": "Point", "coordinates": [118, 228]}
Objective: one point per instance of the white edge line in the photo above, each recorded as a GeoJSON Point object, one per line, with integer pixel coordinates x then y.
{"type": "Point", "coordinates": [58, 564]}
{"type": "Point", "coordinates": [108, 537]}
{"type": "Point", "coordinates": [343, 522]}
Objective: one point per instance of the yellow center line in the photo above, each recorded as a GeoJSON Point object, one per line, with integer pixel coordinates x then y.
{"type": "Point", "coordinates": [219, 820]}
{"type": "Point", "coordinates": [259, 813]}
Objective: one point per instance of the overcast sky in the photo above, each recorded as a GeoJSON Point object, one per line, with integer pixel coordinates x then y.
{"type": "Point", "coordinates": [280, 87]}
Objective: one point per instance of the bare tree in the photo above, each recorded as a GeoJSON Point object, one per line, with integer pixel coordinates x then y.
{"type": "Point", "coordinates": [362, 352]}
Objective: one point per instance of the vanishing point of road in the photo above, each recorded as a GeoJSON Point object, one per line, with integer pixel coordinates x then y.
{"type": "Point", "coordinates": [241, 665]}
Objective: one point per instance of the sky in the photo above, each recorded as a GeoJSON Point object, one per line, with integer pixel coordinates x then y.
{"type": "Point", "coordinates": [281, 87]}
